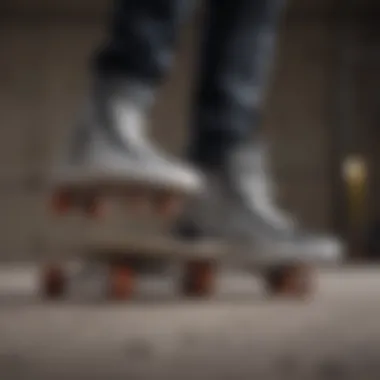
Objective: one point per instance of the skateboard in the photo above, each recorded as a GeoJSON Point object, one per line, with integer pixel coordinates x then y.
{"type": "Point", "coordinates": [199, 261]}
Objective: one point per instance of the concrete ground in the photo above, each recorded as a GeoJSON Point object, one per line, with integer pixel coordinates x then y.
{"type": "Point", "coordinates": [237, 335]}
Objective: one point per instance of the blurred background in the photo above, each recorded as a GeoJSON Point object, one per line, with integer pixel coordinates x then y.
{"type": "Point", "coordinates": [322, 114]}
{"type": "Point", "coordinates": [323, 117]}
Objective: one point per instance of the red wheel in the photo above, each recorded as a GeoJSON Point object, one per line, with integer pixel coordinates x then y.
{"type": "Point", "coordinates": [168, 205]}
{"type": "Point", "coordinates": [296, 281]}
{"type": "Point", "coordinates": [94, 208]}
{"type": "Point", "coordinates": [53, 281]}
{"type": "Point", "coordinates": [199, 279]}
{"type": "Point", "coordinates": [61, 202]}
{"type": "Point", "coordinates": [121, 282]}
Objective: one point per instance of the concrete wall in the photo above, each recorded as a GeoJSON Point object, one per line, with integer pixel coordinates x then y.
{"type": "Point", "coordinates": [44, 46]}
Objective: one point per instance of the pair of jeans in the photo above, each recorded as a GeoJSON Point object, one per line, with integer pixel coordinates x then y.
{"type": "Point", "coordinates": [235, 59]}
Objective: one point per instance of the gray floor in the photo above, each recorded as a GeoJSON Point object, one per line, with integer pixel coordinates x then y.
{"type": "Point", "coordinates": [237, 335]}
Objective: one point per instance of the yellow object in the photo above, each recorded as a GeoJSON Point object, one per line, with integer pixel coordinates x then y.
{"type": "Point", "coordinates": [355, 175]}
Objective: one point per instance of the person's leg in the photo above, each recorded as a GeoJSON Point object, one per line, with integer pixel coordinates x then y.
{"type": "Point", "coordinates": [235, 64]}
{"type": "Point", "coordinates": [237, 55]}
{"type": "Point", "coordinates": [141, 38]}
{"type": "Point", "coordinates": [110, 144]}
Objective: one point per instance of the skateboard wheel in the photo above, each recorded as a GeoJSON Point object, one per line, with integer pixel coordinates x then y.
{"type": "Point", "coordinates": [61, 202]}
{"type": "Point", "coordinates": [121, 282]}
{"type": "Point", "coordinates": [168, 204]}
{"type": "Point", "coordinates": [53, 281]}
{"type": "Point", "coordinates": [199, 279]}
{"type": "Point", "coordinates": [295, 281]}
{"type": "Point", "coordinates": [93, 208]}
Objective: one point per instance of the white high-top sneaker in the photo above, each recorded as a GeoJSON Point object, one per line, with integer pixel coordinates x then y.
{"type": "Point", "coordinates": [238, 208]}
{"type": "Point", "coordinates": [111, 147]}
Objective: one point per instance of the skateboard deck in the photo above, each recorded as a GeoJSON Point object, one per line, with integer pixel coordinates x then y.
{"type": "Point", "coordinates": [165, 248]}
{"type": "Point", "coordinates": [169, 248]}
